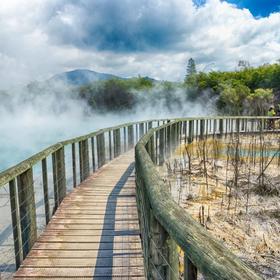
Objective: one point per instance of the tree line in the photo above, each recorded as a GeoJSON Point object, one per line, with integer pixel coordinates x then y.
{"type": "Point", "coordinates": [249, 91]}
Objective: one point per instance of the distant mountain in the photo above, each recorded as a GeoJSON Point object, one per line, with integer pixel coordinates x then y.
{"type": "Point", "coordinates": [80, 77]}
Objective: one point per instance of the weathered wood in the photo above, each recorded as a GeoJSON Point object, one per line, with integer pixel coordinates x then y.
{"type": "Point", "coordinates": [125, 140]}
{"type": "Point", "coordinates": [117, 142]}
{"type": "Point", "coordinates": [161, 146]}
{"type": "Point", "coordinates": [202, 129]}
{"type": "Point", "coordinates": [46, 190]}
{"type": "Point", "coordinates": [191, 129]}
{"type": "Point", "coordinates": [110, 145]}
{"type": "Point", "coordinates": [141, 130]}
{"type": "Point", "coordinates": [84, 159]}
{"type": "Point", "coordinates": [15, 223]}
{"type": "Point", "coordinates": [100, 139]}
{"type": "Point", "coordinates": [18, 169]}
{"type": "Point", "coordinates": [211, 258]}
{"type": "Point", "coordinates": [130, 137]}
{"type": "Point", "coordinates": [55, 181]}
{"type": "Point", "coordinates": [61, 174]}
{"type": "Point", "coordinates": [190, 271]}
{"type": "Point", "coordinates": [158, 266]}
{"type": "Point", "coordinates": [59, 177]}
{"type": "Point", "coordinates": [93, 154]}
{"type": "Point", "coordinates": [92, 244]}
{"type": "Point", "coordinates": [74, 168]}
{"type": "Point", "coordinates": [27, 211]}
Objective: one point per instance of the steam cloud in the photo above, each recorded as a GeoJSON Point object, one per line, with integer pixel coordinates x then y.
{"type": "Point", "coordinates": [31, 121]}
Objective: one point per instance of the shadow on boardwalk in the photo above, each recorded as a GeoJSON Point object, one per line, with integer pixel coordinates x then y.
{"type": "Point", "coordinates": [107, 241]}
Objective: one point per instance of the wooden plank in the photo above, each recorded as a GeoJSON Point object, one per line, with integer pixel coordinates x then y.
{"type": "Point", "coordinates": [87, 246]}
{"type": "Point", "coordinates": [119, 261]}
{"type": "Point", "coordinates": [87, 239]}
{"type": "Point", "coordinates": [74, 272]}
{"type": "Point", "coordinates": [84, 254]}
{"type": "Point", "coordinates": [95, 232]}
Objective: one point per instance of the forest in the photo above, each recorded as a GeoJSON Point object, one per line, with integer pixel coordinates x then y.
{"type": "Point", "coordinates": [248, 90]}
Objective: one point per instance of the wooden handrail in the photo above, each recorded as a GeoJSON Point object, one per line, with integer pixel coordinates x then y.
{"type": "Point", "coordinates": [163, 221]}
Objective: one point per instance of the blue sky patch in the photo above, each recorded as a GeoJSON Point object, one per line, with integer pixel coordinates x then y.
{"type": "Point", "coordinates": [259, 8]}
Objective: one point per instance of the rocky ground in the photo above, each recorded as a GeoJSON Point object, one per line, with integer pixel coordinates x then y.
{"type": "Point", "coordinates": [227, 195]}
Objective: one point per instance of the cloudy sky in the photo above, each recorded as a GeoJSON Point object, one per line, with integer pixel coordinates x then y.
{"type": "Point", "coordinates": [39, 38]}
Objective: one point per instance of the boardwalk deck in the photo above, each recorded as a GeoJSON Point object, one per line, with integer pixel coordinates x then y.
{"type": "Point", "coordinates": [95, 233]}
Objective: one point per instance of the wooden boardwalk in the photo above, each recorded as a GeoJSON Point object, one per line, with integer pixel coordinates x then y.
{"type": "Point", "coordinates": [95, 232]}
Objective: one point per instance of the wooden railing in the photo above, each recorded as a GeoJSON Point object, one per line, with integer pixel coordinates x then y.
{"type": "Point", "coordinates": [164, 224]}
{"type": "Point", "coordinates": [53, 172]}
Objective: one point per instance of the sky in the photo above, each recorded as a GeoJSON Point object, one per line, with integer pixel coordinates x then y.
{"type": "Point", "coordinates": [40, 38]}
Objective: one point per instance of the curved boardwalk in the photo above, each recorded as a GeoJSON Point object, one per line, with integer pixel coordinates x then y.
{"type": "Point", "coordinates": [95, 233]}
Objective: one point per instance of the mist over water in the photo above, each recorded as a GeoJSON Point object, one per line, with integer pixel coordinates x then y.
{"type": "Point", "coordinates": [32, 121]}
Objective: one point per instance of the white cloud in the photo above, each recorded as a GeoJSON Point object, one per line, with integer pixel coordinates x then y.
{"type": "Point", "coordinates": [41, 38]}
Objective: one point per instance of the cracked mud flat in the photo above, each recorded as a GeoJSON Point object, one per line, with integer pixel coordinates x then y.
{"type": "Point", "coordinates": [245, 216]}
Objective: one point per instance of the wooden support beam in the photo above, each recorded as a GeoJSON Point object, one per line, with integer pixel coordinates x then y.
{"type": "Point", "coordinates": [15, 223]}
{"type": "Point", "coordinates": [190, 271]}
{"type": "Point", "coordinates": [93, 153]}
{"type": "Point", "coordinates": [27, 211]}
{"type": "Point", "coordinates": [100, 139]}
{"type": "Point", "coordinates": [74, 166]}
{"type": "Point", "coordinates": [84, 159]}
{"type": "Point", "coordinates": [46, 189]}
{"type": "Point", "coordinates": [130, 137]}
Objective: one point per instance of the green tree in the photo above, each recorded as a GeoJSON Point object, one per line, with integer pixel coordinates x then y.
{"type": "Point", "coordinates": [233, 96]}
{"type": "Point", "coordinates": [190, 78]}
{"type": "Point", "coordinates": [259, 101]}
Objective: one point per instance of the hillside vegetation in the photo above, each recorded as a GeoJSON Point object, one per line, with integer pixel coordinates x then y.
{"type": "Point", "coordinates": [249, 91]}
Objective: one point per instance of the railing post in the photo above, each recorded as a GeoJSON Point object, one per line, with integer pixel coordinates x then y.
{"type": "Point", "coordinates": [15, 223]}
{"type": "Point", "coordinates": [110, 144]}
{"type": "Point", "coordinates": [117, 142]}
{"type": "Point", "coordinates": [221, 127]}
{"type": "Point", "coordinates": [161, 146]}
{"type": "Point", "coordinates": [202, 128]}
{"type": "Point", "coordinates": [84, 159]}
{"type": "Point", "coordinates": [152, 148]}
{"type": "Point", "coordinates": [130, 137]}
{"type": "Point", "coordinates": [60, 175]}
{"type": "Point", "coordinates": [124, 139]}
{"type": "Point", "coordinates": [93, 154]}
{"type": "Point", "coordinates": [185, 131]}
{"type": "Point", "coordinates": [190, 271]}
{"type": "Point", "coordinates": [46, 190]}
{"type": "Point", "coordinates": [27, 210]}
{"type": "Point", "coordinates": [100, 149]}
{"type": "Point", "coordinates": [158, 266]}
{"type": "Point", "coordinates": [74, 171]}
{"type": "Point", "coordinates": [137, 132]}
{"type": "Point", "coordinates": [190, 136]}
{"type": "Point", "coordinates": [141, 130]}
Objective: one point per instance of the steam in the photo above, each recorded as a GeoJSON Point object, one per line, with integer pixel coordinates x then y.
{"type": "Point", "coordinates": [38, 116]}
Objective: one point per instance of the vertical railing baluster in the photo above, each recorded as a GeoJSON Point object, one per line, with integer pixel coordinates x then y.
{"type": "Point", "coordinates": [15, 223]}
{"type": "Point", "coordinates": [74, 166]}
{"type": "Point", "coordinates": [93, 154]}
{"type": "Point", "coordinates": [110, 145]}
{"type": "Point", "coordinates": [130, 137]}
{"type": "Point", "coordinates": [190, 271]}
{"type": "Point", "coordinates": [55, 183]}
{"type": "Point", "coordinates": [191, 129]}
{"type": "Point", "coordinates": [27, 210]}
{"type": "Point", "coordinates": [158, 266]}
{"type": "Point", "coordinates": [84, 159]}
{"type": "Point", "coordinates": [46, 189]}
